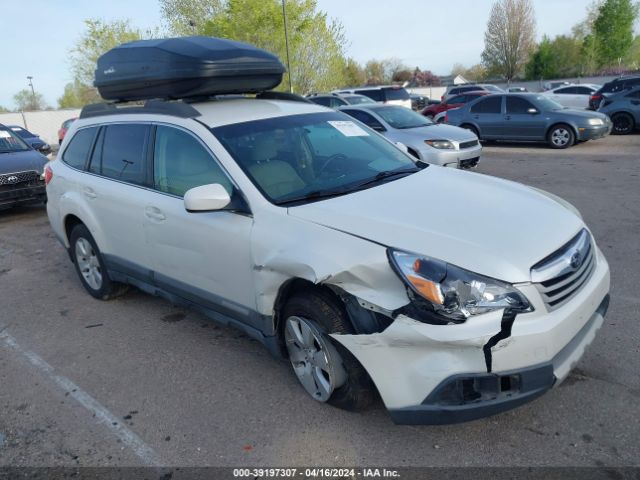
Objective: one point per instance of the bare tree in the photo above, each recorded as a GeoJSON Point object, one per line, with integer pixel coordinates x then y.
{"type": "Point", "coordinates": [510, 37]}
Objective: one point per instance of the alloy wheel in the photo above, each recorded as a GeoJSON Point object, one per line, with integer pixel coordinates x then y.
{"type": "Point", "coordinates": [560, 137]}
{"type": "Point", "coordinates": [88, 263]}
{"type": "Point", "coordinates": [315, 361]}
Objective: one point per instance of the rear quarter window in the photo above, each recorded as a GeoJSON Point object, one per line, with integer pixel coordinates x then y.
{"type": "Point", "coordinates": [79, 149]}
{"type": "Point", "coordinates": [396, 94]}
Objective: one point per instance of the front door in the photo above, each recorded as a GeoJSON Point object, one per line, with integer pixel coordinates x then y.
{"type": "Point", "coordinates": [203, 257]}
{"type": "Point", "coordinates": [523, 121]}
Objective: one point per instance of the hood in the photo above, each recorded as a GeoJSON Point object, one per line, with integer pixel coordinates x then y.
{"type": "Point", "coordinates": [440, 132]}
{"type": "Point", "coordinates": [22, 161]}
{"type": "Point", "coordinates": [484, 224]}
{"type": "Point", "coordinates": [581, 113]}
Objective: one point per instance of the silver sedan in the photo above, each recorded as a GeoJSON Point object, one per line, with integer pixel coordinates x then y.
{"type": "Point", "coordinates": [427, 141]}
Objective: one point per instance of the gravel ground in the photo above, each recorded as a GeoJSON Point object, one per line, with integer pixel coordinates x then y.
{"type": "Point", "coordinates": [170, 387]}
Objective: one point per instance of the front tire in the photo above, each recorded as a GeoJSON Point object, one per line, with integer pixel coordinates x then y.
{"type": "Point", "coordinates": [623, 124]}
{"type": "Point", "coordinates": [90, 266]}
{"type": "Point", "coordinates": [561, 136]}
{"type": "Point", "coordinates": [326, 370]}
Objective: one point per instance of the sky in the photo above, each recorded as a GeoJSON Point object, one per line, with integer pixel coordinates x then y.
{"type": "Point", "coordinates": [37, 35]}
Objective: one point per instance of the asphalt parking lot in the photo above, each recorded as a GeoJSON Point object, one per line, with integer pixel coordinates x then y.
{"type": "Point", "coordinates": [136, 381]}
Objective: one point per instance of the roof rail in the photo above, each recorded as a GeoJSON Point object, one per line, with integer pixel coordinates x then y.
{"type": "Point", "coordinates": [174, 108]}
{"type": "Point", "coordinates": [271, 95]}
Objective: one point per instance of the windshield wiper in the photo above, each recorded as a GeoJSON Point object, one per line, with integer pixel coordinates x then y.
{"type": "Point", "coordinates": [316, 194]}
{"type": "Point", "coordinates": [383, 176]}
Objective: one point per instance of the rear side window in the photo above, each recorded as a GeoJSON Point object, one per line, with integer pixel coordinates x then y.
{"type": "Point", "coordinates": [372, 94]}
{"type": "Point", "coordinates": [491, 104]}
{"type": "Point", "coordinates": [77, 153]}
{"type": "Point", "coordinates": [122, 153]}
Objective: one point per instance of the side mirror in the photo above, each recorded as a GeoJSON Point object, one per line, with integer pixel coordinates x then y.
{"type": "Point", "coordinates": [378, 127]}
{"type": "Point", "coordinates": [533, 111]}
{"type": "Point", "coordinates": [206, 198]}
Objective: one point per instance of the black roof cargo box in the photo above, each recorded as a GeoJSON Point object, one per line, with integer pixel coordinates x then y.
{"type": "Point", "coordinates": [185, 67]}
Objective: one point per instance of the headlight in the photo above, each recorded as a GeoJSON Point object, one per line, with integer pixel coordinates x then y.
{"type": "Point", "coordinates": [596, 121]}
{"type": "Point", "coordinates": [440, 144]}
{"type": "Point", "coordinates": [453, 292]}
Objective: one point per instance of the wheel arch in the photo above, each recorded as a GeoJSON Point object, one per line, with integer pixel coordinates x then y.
{"type": "Point", "coordinates": [572, 126]}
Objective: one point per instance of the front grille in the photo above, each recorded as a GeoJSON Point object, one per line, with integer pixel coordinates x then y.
{"type": "Point", "coordinates": [469, 144]}
{"type": "Point", "coordinates": [18, 177]}
{"type": "Point", "coordinates": [565, 279]}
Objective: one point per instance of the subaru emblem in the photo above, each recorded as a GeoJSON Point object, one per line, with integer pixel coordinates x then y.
{"type": "Point", "coordinates": [576, 260]}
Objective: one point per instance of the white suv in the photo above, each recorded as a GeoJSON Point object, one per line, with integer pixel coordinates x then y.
{"type": "Point", "coordinates": [455, 295]}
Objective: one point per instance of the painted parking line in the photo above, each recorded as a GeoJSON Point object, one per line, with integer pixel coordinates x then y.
{"type": "Point", "coordinates": [103, 416]}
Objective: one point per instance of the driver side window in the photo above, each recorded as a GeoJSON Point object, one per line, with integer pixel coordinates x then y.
{"type": "Point", "coordinates": [181, 162]}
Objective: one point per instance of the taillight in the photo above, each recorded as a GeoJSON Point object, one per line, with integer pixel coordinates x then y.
{"type": "Point", "coordinates": [48, 174]}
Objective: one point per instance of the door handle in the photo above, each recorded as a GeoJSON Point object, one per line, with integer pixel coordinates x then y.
{"type": "Point", "coordinates": [154, 213]}
{"type": "Point", "coordinates": [476, 117]}
{"type": "Point", "coordinates": [89, 193]}
{"type": "Point", "coordinates": [507, 117]}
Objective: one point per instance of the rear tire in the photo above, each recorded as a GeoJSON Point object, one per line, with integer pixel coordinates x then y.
{"type": "Point", "coordinates": [90, 266]}
{"type": "Point", "coordinates": [346, 384]}
{"type": "Point", "coordinates": [561, 136]}
{"type": "Point", "coordinates": [623, 124]}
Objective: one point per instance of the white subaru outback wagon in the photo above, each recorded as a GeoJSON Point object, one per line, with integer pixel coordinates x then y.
{"type": "Point", "coordinates": [454, 295]}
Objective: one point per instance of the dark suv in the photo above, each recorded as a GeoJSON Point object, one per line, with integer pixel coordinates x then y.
{"type": "Point", "coordinates": [21, 171]}
{"type": "Point", "coordinates": [617, 85]}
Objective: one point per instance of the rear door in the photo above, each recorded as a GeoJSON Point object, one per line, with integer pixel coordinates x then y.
{"type": "Point", "coordinates": [520, 123]}
{"type": "Point", "coordinates": [116, 189]}
{"type": "Point", "coordinates": [487, 115]}
{"type": "Point", "coordinates": [201, 256]}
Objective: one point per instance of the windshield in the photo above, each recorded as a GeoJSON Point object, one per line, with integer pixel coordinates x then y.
{"type": "Point", "coordinates": [402, 118]}
{"type": "Point", "coordinates": [302, 157]}
{"type": "Point", "coordinates": [10, 142]}
{"type": "Point", "coordinates": [545, 103]}
{"type": "Point", "coordinates": [357, 99]}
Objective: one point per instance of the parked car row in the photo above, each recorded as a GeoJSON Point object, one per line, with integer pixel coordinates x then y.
{"type": "Point", "coordinates": [530, 117]}
{"type": "Point", "coordinates": [425, 140]}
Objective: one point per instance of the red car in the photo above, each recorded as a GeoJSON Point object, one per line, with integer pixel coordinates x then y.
{"type": "Point", "coordinates": [454, 102]}
{"type": "Point", "coordinates": [63, 129]}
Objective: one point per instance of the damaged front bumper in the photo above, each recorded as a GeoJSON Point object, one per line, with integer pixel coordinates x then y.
{"type": "Point", "coordinates": [438, 374]}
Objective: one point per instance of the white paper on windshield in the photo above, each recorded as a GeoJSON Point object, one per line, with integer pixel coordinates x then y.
{"type": "Point", "coordinates": [4, 134]}
{"type": "Point", "coordinates": [348, 128]}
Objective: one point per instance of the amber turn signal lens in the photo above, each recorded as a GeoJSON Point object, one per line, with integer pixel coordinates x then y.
{"type": "Point", "coordinates": [428, 289]}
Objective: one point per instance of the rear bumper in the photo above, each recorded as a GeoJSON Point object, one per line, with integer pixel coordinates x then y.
{"type": "Point", "coordinates": [489, 394]}
{"type": "Point", "coordinates": [22, 196]}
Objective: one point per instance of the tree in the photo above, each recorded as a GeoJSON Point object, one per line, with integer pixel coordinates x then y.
{"type": "Point", "coordinates": [425, 78]}
{"type": "Point", "coordinates": [27, 100]}
{"type": "Point", "coordinates": [316, 44]}
{"type": "Point", "coordinates": [510, 37]}
{"type": "Point", "coordinates": [374, 71]}
{"type": "Point", "coordinates": [458, 69]}
{"type": "Point", "coordinates": [402, 76]}
{"type": "Point", "coordinates": [189, 17]}
{"type": "Point", "coordinates": [542, 63]}
{"type": "Point", "coordinates": [353, 73]}
{"type": "Point", "coordinates": [3, 109]}
{"type": "Point", "coordinates": [613, 29]}
{"type": "Point", "coordinates": [98, 37]}
{"type": "Point", "coordinates": [632, 59]}
{"type": "Point", "coordinates": [77, 95]}
{"type": "Point", "coordinates": [476, 73]}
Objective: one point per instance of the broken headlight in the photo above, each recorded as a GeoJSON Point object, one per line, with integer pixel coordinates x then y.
{"type": "Point", "coordinates": [453, 292]}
